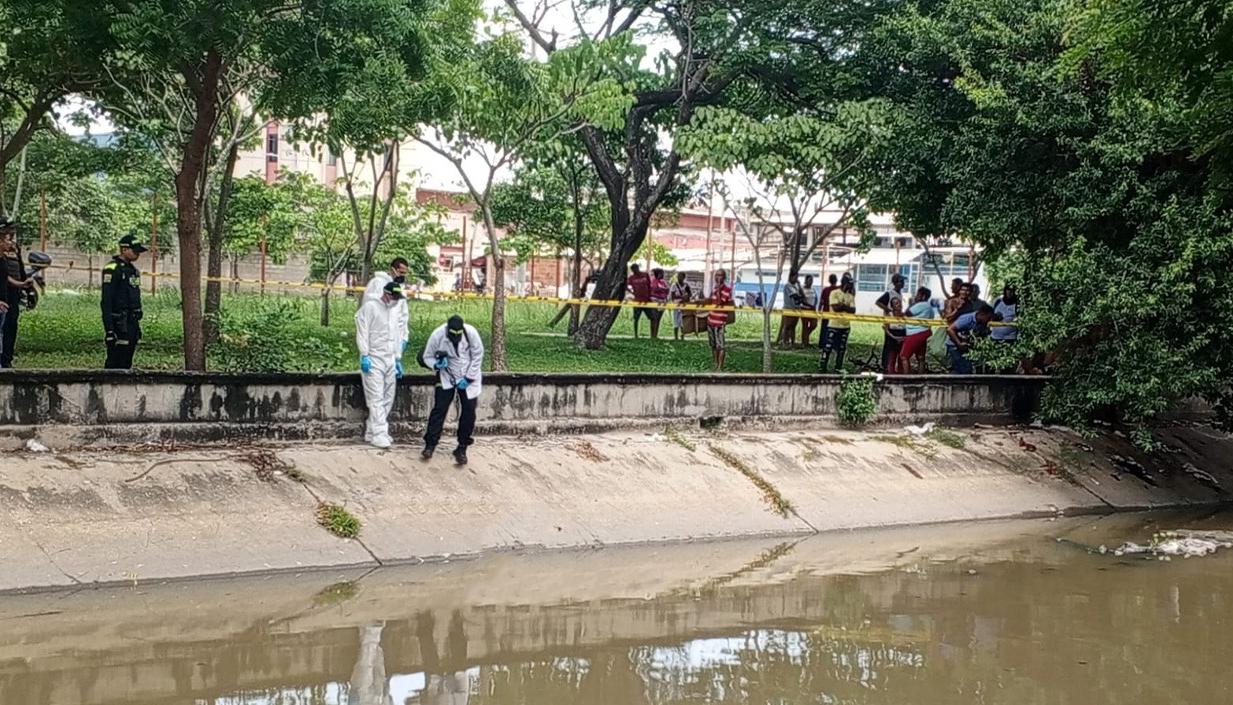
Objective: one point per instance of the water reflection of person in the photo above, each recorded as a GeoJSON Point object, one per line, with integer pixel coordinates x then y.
{"type": "Point", "coordinates": [368, 683]}
{"type": "Point", "coordinates": [444, 689]}
{"type": "Point", "coordinates": [446, 681]}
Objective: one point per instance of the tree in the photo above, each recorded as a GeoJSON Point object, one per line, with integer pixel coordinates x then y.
{"type": "Point", "coordinates": [1173, 53]}
{"type": "Point", "coordinates": [94, 192]}
{"type": "Point", "coordinates": [1120, 228]}
{"type": "Point", "coordinates": [183, 64]}
{"type": "Point", "coordinates": [49, 51]}
{"type": "Point", "coordinates": [555, 201]}
{"type": "Point", "coordinates": [798, 168]}
{"type": "Point", "coordinates": [297, 212]}
{"type": "Point", "coordinates": [502, 104]}
{"type": "Point", "coordinates": [745, 53]}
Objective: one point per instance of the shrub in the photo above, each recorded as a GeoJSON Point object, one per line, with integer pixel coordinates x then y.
{"type": "Point", "coordinates": [855, 402]}
{"type": "Point", "coordinates": [264, 337]}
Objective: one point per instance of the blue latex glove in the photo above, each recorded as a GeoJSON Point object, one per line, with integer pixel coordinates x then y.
{"type": "Point", "coordinates": [398, 369]}
{"type": "Point", "coordinates": [442, 363]}
{"type": "Point", "coordinates": [463, 384]}
{"type": "Point", "coordinates": [365, 364]}
{"type": "Point", "coordinates": [404, 347]}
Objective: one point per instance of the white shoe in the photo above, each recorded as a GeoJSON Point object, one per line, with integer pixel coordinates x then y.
{"type": "Point", "coordinates": [381, 443]}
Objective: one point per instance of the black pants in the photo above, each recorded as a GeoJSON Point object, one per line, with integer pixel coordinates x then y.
{"type": "Point", "coordinates": [9, 339]}
{"type": "Point", "coordinates": [826, 324]}
{"type": "Point", "coordinates": [836, 340]}
{"type": "Point", "coordinates": [120, 354]}
{"type": "Point", "coordinates": [442, 400]}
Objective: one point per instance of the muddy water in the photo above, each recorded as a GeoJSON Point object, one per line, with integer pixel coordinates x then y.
{"type": "Point", "coordinates": [1015, 612]}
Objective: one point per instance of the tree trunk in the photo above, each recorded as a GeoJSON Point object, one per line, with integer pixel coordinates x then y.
{"type": "Point", "coordinates": [578, 287]}
{"type": "Point", "coordinates": [767, 354]}
{"type": "Point", "coordinates": [188, 209]}
{"type": "Point", "coordinates": [325, 305]}
{"type": "Point", "coordinates": [610, 285]}
{"type": "Point", "coordinates": [214, 258]}
{"type": "Point", "coordinates": [20, 137]}
{"type": "Point", "coordinates": [497, 282]}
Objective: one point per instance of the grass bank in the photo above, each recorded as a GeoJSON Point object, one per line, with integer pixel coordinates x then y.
{"type": "Point", "coordinates": [65, 332]}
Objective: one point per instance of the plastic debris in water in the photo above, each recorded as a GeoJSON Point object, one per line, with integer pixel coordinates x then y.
{"type": "Point", "coordinates": [1184, 543]}
{"type": "Point", "coordinates": [919, 430]}
{"type": "Point", "coordinates": [35, 447]}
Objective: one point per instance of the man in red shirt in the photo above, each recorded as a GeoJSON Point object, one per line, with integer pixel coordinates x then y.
{"type": "Point", "coordinates": [825, 305]}
{"type": "Point", "coordinates": [717, 321]}
{"type": "Point", "coordinates": [639, 286]}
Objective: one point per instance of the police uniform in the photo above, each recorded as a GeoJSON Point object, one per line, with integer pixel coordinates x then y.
{"type": "Point", "coordinates": [122, 308]}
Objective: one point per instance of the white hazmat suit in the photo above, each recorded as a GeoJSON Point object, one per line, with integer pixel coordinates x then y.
{"type": "Point", "coordinates": [402, 315]}
{"type": "Point", "coordinates": [377, 336]}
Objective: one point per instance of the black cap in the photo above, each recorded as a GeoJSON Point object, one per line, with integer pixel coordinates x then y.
{"type": "Point", "coordinates": [454, 325]}
{"type": "Point", "coordinates": [394, 289]}
{"type": "Point", "coordinates": [7, 222]}
{"type": "Point", "coordinates": [133, 242]}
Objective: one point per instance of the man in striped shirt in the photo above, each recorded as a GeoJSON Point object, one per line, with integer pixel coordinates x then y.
{"type": "Point", "coordinates": [717, 321]}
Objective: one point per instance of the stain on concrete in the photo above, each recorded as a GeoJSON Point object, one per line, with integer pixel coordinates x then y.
{"type": "Point", "coordinates": [190, 402]}
{"type": "Point", "coordinates": [77, 499]}
{"type": "Point", "coordinates": [96, 409]}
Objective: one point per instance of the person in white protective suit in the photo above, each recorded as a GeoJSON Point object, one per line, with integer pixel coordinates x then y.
{"type": "Point", "coordinates": [376, 287]}
{"type": "Point", "coordinates": [455, 352]}
{"type": "Point", "coordinates": [380, 344]}
{"type": "Point", "coordinates": [368, 685]}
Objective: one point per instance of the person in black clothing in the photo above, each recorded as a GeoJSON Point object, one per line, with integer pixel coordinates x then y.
{"type": "Point", "coordinates": [122, 304]}
{"type": "Point", "coordinates": [15, 281]}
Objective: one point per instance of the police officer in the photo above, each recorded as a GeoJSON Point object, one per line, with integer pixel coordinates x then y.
{"type": "Point", "coordinates": [122, 304]}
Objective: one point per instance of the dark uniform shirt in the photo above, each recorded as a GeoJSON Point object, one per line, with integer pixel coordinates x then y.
{"type": "Point", "coordinates": [13, 269]}
{"type": "Point", "coordinates": [121, 297]}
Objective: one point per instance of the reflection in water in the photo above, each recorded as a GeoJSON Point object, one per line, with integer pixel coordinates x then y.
{"type": "Point", "coordinates": [368, 683]}
{"type": "Point", "coordinates": [1040, 624]}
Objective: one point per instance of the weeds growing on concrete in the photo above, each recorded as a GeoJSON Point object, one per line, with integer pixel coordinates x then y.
{"type": "Point", "coordinates": [778, 502]}
{"type": "Point", "coordinates": [910, 443]}
{"type": "Point", "coordinates": [674, 436]}
{"type": "Point", "coordinates": [337, 520]}
{"type": "Point", "coordinates": [855, 402]}
{"type": "Point", "coordinates": [947, 438]}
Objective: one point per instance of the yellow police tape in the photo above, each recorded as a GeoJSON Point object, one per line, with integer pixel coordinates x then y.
{"type": "Point", "coordinates": [557, 301]}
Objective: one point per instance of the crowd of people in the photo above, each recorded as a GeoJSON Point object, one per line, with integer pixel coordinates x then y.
{"type": "Point", "coordinates": [963, 317]}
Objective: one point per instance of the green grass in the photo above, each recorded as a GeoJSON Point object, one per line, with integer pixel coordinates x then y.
{"type": "Point", "coordinates": [947, 438]}
{"type": "Point", "coordinates": [65, 332]}
{"type": "Point", "coordinates": [337, 520]}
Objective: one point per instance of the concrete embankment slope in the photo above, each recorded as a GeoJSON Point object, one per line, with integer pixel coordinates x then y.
{"type": "Point", "coordinates": [117, 516]}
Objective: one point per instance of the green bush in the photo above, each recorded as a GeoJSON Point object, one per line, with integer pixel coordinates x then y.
{"type": "Point", "coordinates": [855, 402]}
{"type": "Point", "coordinates": [265, 337]}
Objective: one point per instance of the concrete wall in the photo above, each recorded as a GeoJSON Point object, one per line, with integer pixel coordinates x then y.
{"type": "Point", "coordinates": [72, 407]}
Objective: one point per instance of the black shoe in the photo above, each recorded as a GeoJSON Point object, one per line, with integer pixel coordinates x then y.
{"type": "Point", "coordinates": [460, 456]}
{"type": "Point", "coordinates": [426, 454]}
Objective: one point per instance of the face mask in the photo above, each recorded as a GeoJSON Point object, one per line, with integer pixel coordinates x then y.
{"type": "Point", "coordinates": [401, 279]}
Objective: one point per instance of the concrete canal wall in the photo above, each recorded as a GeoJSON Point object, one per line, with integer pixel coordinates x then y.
{"type": "Point", "coordinates": [74, 519]}
{"type": "Point", "coordinates": [74, 409]}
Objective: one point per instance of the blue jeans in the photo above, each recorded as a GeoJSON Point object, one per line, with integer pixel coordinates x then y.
{"type": "Point", "coordinates": [959, 362]}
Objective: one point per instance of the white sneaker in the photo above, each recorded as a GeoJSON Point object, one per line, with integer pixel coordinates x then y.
{"type": "Point", "coordinates": [381, 443]}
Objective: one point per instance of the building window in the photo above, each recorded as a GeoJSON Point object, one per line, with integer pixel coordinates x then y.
{"type": "Point", "coordinates": [271, 146]}
{"type": "Point", "coordinates": [331, 159]}
{"type": "Point", "coordinates": [872, 277]}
